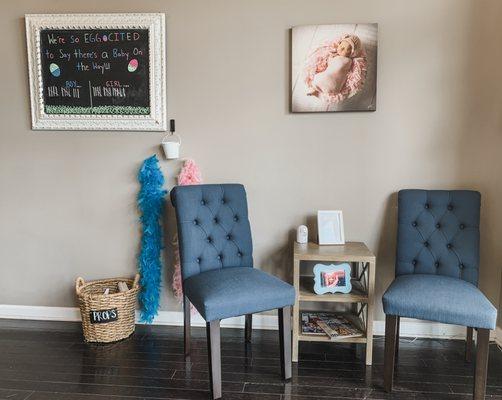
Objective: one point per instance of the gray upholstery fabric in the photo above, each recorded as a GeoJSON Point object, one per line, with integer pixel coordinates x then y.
{"type": "Point", "coordinates": [438, 233]}
{"type": "Point", "coordinates": [213, 227]}
{"type": "Point", "coordinates": [439, 298]}
{"type": "Point", "coordinates": [437, 260]}
{"type": "Point", "coordinates": [216, 254]}
{"type": "Point", "coordinates": [230, 292]}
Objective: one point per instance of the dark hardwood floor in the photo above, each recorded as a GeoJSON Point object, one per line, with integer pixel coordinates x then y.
{"type": "Point", "coordinates": [49, 361]}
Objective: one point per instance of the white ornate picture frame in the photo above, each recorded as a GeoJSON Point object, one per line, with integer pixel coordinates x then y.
{"type": "Point", "coordinates": [154, 114]}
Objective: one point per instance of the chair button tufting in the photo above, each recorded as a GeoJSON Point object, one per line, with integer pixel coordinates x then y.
{"type": "Point", "coordinates": [195, 222]}
{"type": "Point", "coordinates": [426, 244]}
{"type": "Point", "coordinates": [426, 205]}
{"type": "Point", "coordinates": [228, 237]}
{"type": "Point", "coordinates": [197, 260]}
{"type": "Point", "coordinates": [438, 226]}
{"type": "Point", "coordinates": [222, 201]}
{"type": "Point", "coordinates": [461, 266]}
{"type": "Point", "coordinates": [414, 223]}
{"type": "Point", "coordinates": [436, 264]}
{"type": "Point", "coordinates": [462, 226]}
{"type": "Point", "coordinates": [236, 218]}
{"type": "Point", "coordinates": [208, 240]}
{"type": "Point", "coordinates": [219, 257]}
{"type": "Point", "coordinates": [215, 220]}
{"type": "Point", "coordinates": [450, 207]}
{"type": "Point", "coordinates": [414, 262]}
{"type": "Point", "coordinates": [449, 246]}
{"type": "Point", "coordinates": [239, 254]}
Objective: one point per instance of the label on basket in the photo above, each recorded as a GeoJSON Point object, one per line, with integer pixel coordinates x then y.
{"type": "Point", "coordinates": [103, 316]}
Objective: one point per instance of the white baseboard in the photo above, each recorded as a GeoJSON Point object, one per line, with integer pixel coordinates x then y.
{"type": "Point", "coordinates": [41, 313]}
{"type": "Point", "coordinates": [408, 327]}
{"type": "Point", "coordinates": [174, 318]}
{"type": "Point", "coordinates": [415, 328]}
{"type": "Point", "coordinates": [498, 336]}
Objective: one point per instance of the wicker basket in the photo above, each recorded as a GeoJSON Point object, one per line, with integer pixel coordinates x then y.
{"type": "Point", "coordinates": [107, 318]}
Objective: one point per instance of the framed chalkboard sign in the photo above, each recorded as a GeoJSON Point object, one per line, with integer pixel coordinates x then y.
{"type": "Point", "coordinates": [97, 71]}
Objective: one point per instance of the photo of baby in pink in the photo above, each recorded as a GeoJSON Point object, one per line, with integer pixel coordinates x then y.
{"type": "Point", "coordinates": [327, 73]}
{"type": "Point", "coordinates": [334, 68]}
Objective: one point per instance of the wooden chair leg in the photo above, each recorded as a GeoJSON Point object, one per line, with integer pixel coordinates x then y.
{"type": "Point", "coordinates": [390, 351]}
{"type": "Point", "coordinates": [468, 345]}
{"type": "Point", "coordinates": [186, 324]}
{"type": "Point", "coordinates": [214, 355]}
{"type": "Point", "coordinates": [398, 325]}
{"type": "Point", "coordinates": [248, 327]}
{"type": "Point", "coordinates": [285, 341]}
{"type": "Point", "coordinates": [481, 368]}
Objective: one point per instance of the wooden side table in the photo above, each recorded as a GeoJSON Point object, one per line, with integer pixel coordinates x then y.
{"type": "Point", "coordinates": [363, 263]}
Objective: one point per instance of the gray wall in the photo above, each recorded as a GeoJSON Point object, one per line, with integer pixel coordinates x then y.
{"type": "Point", "coordinates": [68, 199]}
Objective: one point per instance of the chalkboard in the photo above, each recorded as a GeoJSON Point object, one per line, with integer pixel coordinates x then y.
{"type": "Point", "coordinates": [103, 316]}
{"type": "Point", "coordinates": [95, 71]}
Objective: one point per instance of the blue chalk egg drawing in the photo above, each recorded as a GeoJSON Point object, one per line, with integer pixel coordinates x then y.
{"type": "Point", "coordinates": [54, 69]}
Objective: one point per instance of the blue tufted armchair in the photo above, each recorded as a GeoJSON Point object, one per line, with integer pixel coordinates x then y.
{"type": "Point", "coordinates": [437, 268]}
{"type": "Point", "coordinates": [216, 255]}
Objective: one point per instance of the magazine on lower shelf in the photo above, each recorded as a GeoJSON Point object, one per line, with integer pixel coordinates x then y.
{"type": "Point", "coordinates": [335, 326]}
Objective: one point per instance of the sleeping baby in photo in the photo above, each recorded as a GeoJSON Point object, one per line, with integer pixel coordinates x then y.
{"type": "Point", "coordinates": [331, 81]}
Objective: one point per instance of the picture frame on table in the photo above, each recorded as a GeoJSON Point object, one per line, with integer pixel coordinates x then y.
{"type": "Point", "coordinates": [330, 227]}
{"type": "Point", "coordinates": [332, 278]}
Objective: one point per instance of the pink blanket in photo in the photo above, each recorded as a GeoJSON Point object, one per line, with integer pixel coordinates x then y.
{"type": "Point", "coordinates": [318, 62]}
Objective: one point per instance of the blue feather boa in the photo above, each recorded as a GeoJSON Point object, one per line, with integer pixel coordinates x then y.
{"type": "Point", "coordinates": [151, 206]}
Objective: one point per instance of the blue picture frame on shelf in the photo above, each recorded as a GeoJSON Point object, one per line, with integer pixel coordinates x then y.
{"type": "Point", "coordinates": [332, 278]}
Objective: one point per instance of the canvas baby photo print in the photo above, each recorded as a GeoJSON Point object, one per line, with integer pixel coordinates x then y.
{"type": "Point", "coordinates": [334, 68]}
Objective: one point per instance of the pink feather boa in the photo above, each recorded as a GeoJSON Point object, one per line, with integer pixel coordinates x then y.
{"type": "Point", "coordinates": [318, 62]}
{"type": "Point", "coordinates": [189, 175]}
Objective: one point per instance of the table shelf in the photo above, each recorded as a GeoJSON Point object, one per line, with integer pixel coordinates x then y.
{"type": "Point", "coordinates": [324, 338]}
{"type": "Point", "coordinates": [350, 251]}
{"type": "Point", "coordinates": [306, 293]}
{"type": "Point", "coordinates": [354, 320]}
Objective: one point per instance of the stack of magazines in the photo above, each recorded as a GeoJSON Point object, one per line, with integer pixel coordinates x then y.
{"type": "Point", "coordinates": [332, 325]}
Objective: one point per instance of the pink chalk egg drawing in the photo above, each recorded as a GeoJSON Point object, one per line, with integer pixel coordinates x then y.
{"type": "Point", "coordinates": [133, 65]}
{"type": "Point", "coordinates": [105, 38]}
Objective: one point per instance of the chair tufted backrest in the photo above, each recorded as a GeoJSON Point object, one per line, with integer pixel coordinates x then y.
{"type": "Point", "coordinates": [438, 233]}
{"type": "Point", "coordinates": [213, 227]}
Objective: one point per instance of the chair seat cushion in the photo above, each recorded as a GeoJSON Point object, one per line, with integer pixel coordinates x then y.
{"type": "Point", "coordinates": [439, 298]}
{"type": "Point", "coordinates": [233, 291]}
